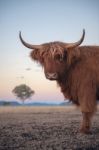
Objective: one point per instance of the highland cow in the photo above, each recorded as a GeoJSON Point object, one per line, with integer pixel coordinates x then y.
{"type": "Point", "coordinates": [76, 70]}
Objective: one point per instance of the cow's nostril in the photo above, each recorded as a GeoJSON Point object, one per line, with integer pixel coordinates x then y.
{"type": "Point", "coordinates": [55, 75]}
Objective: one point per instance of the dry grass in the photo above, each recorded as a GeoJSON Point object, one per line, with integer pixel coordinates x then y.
{"type": "Point", "coordinates": [21, 109]}
{"type": "Point", "coordinates": [45, 128]}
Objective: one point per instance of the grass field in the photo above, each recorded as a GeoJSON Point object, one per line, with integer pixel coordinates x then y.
{"type": "Point", "coordinates": [45, 128]}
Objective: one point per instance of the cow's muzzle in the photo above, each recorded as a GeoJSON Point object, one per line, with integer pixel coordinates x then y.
{"type": "Point", "coordinates": [52, 76]}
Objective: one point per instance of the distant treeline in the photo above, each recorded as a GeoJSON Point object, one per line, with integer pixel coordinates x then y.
{"type": "Point", "coordinates": [7, 103]}
{"type": "Point", "coordinates": [15, 103]}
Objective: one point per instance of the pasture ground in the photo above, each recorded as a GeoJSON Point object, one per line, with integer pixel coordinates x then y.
{"type": "Point", "coordinates": [45, 128]}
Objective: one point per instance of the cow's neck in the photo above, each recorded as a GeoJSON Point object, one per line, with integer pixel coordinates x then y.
{"type": "Point", "coordinates": [65, 85]}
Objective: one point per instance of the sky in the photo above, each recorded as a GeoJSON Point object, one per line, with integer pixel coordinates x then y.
{"type": "Point", "coordinates": [40, 21]}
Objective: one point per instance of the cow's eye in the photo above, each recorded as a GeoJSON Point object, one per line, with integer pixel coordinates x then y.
{"type": "Point", "coordinates": [58, 57]}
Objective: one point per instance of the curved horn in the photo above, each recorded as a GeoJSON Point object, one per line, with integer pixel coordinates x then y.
{"type": "Point", "coordinates": [29, 45]}
{"type": "Point", "coordinates": [72, 45]}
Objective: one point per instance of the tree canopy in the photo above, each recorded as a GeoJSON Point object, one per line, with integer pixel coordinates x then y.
{"type": "Point", "coordinates": [23, 92]}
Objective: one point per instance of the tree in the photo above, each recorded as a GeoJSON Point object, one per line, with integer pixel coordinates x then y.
{"type": "Point", "coordinates": [23, 92]}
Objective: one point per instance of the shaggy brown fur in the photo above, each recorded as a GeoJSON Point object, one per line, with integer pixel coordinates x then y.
{"type": "Point", "coordinates": [77, 73]}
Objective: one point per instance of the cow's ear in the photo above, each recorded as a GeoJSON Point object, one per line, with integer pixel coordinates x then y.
{"type": "Point", "coordinates": [73, 55]}
{"type": "Point", "coordinates": [35, 55]}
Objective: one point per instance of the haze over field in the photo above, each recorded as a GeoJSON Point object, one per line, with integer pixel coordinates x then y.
{"type": "Point", "coordinates": [40, 22]}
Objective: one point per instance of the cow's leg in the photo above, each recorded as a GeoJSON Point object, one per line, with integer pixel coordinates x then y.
{"type": "Point", "coordinates": [88, 107]}
{"type": "Point", "coordinates": [86, 123]}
